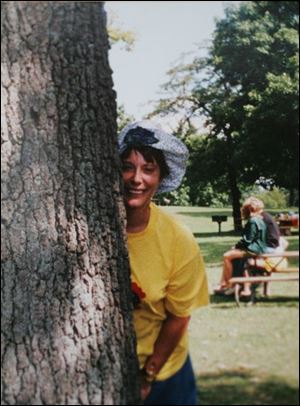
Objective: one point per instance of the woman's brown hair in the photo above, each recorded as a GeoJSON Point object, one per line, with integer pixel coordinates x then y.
{"type": "Point", "coordinates": [150, 155]}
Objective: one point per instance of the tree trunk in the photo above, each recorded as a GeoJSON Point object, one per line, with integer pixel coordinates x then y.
{"type": "Point", "coordinates": [235, 198]}
{"type": "Point", "coordinates": [293, 197]}
{"type": "Point", "coordinates": [67, 332]}
{"type": "Point", "coordinates": [233, 186]}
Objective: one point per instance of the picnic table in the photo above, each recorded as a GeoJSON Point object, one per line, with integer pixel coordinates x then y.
{"type": "Point", "coordinates": [286, 222]}
{"type": "Point", "coordinates": [266, 277]}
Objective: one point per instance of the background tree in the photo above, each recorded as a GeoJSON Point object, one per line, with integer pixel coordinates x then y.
{"type": "Point", "coordinates": [67, 335]}
{"type": "Point", "coordinates": [117, 34]}
{"type": "Point", "coordinates": [247, 88]}
{"type": "Point", "coordinates": [257, 50]}
{"type": "Point", "coordinates": [123, 118]}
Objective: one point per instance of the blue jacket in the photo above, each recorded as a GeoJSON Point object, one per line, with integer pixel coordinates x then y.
{"type": "Point", "coordinates": [254, 237]}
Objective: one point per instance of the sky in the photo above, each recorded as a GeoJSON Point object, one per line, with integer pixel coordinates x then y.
{"type": "Point", "coordinates": [164, 30]}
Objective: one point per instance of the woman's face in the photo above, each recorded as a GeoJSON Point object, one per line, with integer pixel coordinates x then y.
{"type": "Point", "coordinates": [141, 180]}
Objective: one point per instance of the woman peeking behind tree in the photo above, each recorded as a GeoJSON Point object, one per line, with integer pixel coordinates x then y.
{"type": "Point", "coordinates": [167, 269]}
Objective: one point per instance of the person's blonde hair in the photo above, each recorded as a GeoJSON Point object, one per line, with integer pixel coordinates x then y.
{"type": "Point", "coordinates": [252, 206]}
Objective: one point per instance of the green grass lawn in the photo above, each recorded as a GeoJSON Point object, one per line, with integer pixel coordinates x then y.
{"type": "Point", "coordinates": [247, 355]}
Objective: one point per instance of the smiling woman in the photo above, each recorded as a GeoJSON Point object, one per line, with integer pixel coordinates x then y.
{"type": "Point", "coordinates": [143, 169]}
{"type": "Point", "coordinates": [167, 270]}
{"type": "Point", "coordinates": [141, 175]}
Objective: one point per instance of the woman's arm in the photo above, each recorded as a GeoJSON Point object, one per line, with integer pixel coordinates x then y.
{"type": "Point", "coordinates": [170, 334]}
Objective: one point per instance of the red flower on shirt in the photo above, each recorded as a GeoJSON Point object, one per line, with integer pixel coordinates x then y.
{"type": "Point", "coordinates": [137, 294]}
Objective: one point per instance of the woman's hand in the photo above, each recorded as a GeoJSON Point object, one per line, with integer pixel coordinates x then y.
{"type": "Point", "coordinates": [145, 390]}
{"type": "Point", "coordinates": [146, 378]}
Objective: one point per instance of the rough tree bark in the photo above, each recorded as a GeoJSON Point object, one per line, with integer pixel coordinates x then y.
{"type": "Point", "coordinates": [67, 333]}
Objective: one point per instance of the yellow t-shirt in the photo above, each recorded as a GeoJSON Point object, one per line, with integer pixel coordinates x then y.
{"type": "Point", "coordinates": [168, 273]}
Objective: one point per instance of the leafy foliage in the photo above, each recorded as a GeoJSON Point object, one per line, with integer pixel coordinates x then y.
{"type": "Point", "coordinates": [117, 34]}
{"type": "Point", "coordinates": [178, 197]}
{"type": "Point", "coordinates": [123, 118]}
{"type": "Point", "coordinates": [274, 199]}
{"type": "Point", "coordinates": [256, 49]}
{"type": "Point", "coordinates": [247, 90]}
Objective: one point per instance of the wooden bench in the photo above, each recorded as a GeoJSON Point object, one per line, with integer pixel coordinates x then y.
{"type": "Point", "coordinates": [268, 277]}
{"type": "Point", "coordinates": [238, 284]}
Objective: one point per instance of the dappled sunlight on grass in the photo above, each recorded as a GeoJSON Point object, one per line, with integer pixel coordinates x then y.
{"type": "Point", "coordinates": [213, 253]}
{"type": "Point", "coordinates": [246, 355]}
{"type": "Point", "coordinates": [245, 387]}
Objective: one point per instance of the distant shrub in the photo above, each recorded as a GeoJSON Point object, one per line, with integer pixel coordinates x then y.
{"type": "Point", "coordinates": [276, 198]}
{"type": "Point", "coordinates": [179, 197]}
{"type": "Point", "coordinates": [206, 196]}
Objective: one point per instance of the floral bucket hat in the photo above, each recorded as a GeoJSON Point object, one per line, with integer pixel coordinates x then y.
{"type": "Point", "coordinates": [147, 133]}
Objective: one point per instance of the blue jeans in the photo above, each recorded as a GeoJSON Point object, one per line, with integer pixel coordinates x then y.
{"type": "Point", "coordinates": [180, 389]}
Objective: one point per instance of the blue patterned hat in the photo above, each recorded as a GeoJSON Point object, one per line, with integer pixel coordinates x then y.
{"type": "Point", "coordinates": [148, 133]}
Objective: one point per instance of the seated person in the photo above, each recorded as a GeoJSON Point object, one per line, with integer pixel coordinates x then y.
{"type": "Point", "coordinates": [253, 241]}
{"type": "Point", "coordinates": [275, 243]}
